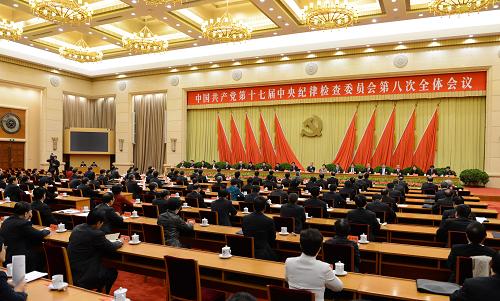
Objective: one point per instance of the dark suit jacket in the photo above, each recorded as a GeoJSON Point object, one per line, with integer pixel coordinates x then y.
{"type": "Point", "coordinates": [134, 188]}
{"type": "Point", "coordinates": [251, 197]}
{"type": "Point", "coordinates": [391, 202]}
{"type": "Point", "coordinates": [45, 213]}
{"type": "Point", "coordinates": [295, 211]}
{"type": "Point", "coordinates": [478, 289]}
{"type": "Point", "coordinates": [22, 239]}
{"type": "Point", "coordinates": [257, 181]}
{"type": "Point", "coordinates": [429, 188]}
{"type": "Point", "coordinates": [446, 202]}
{"type": "Point", "coordinates": [450, 213]}
{"type": "Point", "coordinates": [219, 174]}
{"type": "Point", "coordinates": [224, 208]}
{"type": "Point", "coordinates": [451, 224]}
{"type": "Point", "coordinates": [467, 250]}
{"type": "Point", "coordinates": [87, 192]}
{"type": "Point", "coordinates": [439, 194]}
{"type": "Point", "coordinates": [269, 184]}
{"type": "Point", "coordinates": [315, 202]}
{"type": "Point", "coordinates": [332, 180]}
{"type": "Point", "coordinates": [261, 228]}
{"type": "Point", "coordinates": [311, 168]}
{"type": "Point", "coordinates": [7, 293]}
{"type": "Point", "coordinates": [334, 199]}
{"type": "Point", "coordinates": [86, 248]}
{"type": "Point", "coordinates": [161, 203]}
{"type": "Point", "coordinates": [379, 206]}
{"type": "Point", "coordinates": [281, 193]}
{"type": "Point", "coordinates": [396, 195]}
{"type": "Point", "coordinates": [13, 192]}
{"type": "Point", "coordinates": [363, 216]}
{"type": "Point", "coordinates": [310, 185]}
{"type": "Point", "coordinates": [337, 240]}
{"type": "Point", "coordinates": [286, 182]}
{"type": "Point", "coordinates": [431, 171]}
{"type": "Point", "coordinates": [199, 197]}
{"type": "Point", "coordinates": [111, 218]}
{"type": "Point", "coordinates": [347, 193]}
{"type": "Point", "coordinates": [157, 181]}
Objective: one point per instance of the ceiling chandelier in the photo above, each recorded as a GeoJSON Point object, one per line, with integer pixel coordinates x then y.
{"type": "Point", "coordinates": [451, 7]}
{"type": "Point", "coordinates": [81, 52]}
{"type": "Point", "coordinates": [162, 2]}
{"type": "Point", "coordinates": [62, 11]}
{"type": "Point", "coordinates": [226, 29]}
{"type": "Point", "coordinates": [144, 41]}
{"type": "Point", "coordinates": [10, 30]}
{"type": "Point", "coordinates": [329, 15]}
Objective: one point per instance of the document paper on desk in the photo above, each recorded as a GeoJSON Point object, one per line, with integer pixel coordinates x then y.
{"type": "Point", "coordinates": [34, 276]}
{"type": "Point", "coordinates": [113, 237]}
{"type": "Point", "coordinates": [18, 268]}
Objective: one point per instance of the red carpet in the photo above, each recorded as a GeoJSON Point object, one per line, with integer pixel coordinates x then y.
{"type": "Point", "coordinates": [138, 290]}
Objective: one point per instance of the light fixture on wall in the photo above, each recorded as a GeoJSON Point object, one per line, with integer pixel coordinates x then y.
{"type": "Point", "coordinates": [54, 143]}
{"type": "Point", "coordinates": [173, 144]}
{"type": "Point", "coordinates": [120, 144]}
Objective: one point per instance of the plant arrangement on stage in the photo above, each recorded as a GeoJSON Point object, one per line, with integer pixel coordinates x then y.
{"type": "Point", "coordinates": [388, 170]}
{"type": "Point", "coordinates": [410, 171]}
{"type": "Point", "coordinates": [474, 177]}
{"type": "Point", "coordinates": [285, 166]}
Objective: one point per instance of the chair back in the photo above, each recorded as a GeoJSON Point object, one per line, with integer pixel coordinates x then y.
{"type": "Point", "coordinates": [381, 215]}
{"type": "Point", "coordinates": [275, 199]}
{"type": "Point", "coordinates": [150, 210]}
{"type": "Point", "coordinates": [57, 262]}
{"type": "Point", "coordinates": [241, 245]}
{"type": "Point", "coordinates": [294, 190]}
{"type": "Point", "coordinates": [429, 191]}
{"type": "Point", "coordinates": [278, 293]}
{"type": "Point", "coordinates": [463, 269]}
{"type": "Point", "coordinates": [456, 238]}
{"type": "Point", "coordinates": [192, 202]}
{"type": "Point", "coordinates": [183, 278]}
{"type": "Point", "coordinates": [77, 220]}
{"type": "Point", "coordinates": [211, 216]}
{"type": "Point", "coordinates": [343, 253]}
{"type": "Point", "coordinates": [76, 192]}
{"type": "Point", "coordinates": [444, 208]}
{"type": "Point", "coordinates": [314, 211]}
{"type": "Point", "coordinates": [153, 234]}
{"type": "Point", "coordinates": [358, 229]}
{"type": "Point", "coordinates": [288, 222]}
{"type": "Point", "coordinates": [148, 198]}
{"type": "Point", "coordinates": [249, 205]}
{"type": "Point", "coordinates": [36, 219]}
{"type": "Point", "coordinates": [25, 197]}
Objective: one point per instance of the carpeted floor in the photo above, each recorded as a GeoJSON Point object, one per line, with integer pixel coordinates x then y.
{"type": "Point", "coordinates": [153, 289]}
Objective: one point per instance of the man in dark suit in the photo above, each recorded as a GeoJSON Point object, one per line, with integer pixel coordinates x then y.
{"type": "Point", "coordinates": [7, 291]}
{"type": "Point", "coordinates": [280, 192]}
{"type": "Point", "coordinates": [133, 187]}
{"type": "Point", "coordinates": [440, 193]}
{"type": "Point", "coordinates": [398, 170]}
{"type": "Point", "coordinates": [89, 172]}
{"type": "Point", "coordinates": [337, 169]}
{"type": "Point", "coordinates": [376, 205]}
{"type": "Point", "coordinates": [12, 190]}
{"type": "Point", "coordinates": [3, 184]}
{"type": "Point", "coordinates": [476, 234]}
{"type": "Point", "coordinates": [384, 170]}
{"type": "Point", "coordinates": [239, 182]}
{"type": "Point", "coordinates": [429, 187]}
{"type": "Point", "coordinates": [342, 230]}
{"type": "Point", "coordinates": [73, 184]}
{"type": "Point", "coordinates": [388, 200]}
{"type": "Point", "coordinates": [311, 184]}
{"type": "Point", "coordinates": [218, 186]}
{"type": "Point", "coordinates": [250, 166]}
{"type": "Point", "coordinates": [196, 194]}
{"type": "Point", "coordinates": [181, 179]}
{"type": "Point", "coordinates": [44, 210]}
{"type": "Point", "coordinates": [262, 229]}
{"type": "Point", "coordinates": [481, 288]}
{"type": "Point", "coordinates": [368, 169]}
{"type": "Point", "coordinates": [87, 192]}
{"type": "Point", "coordinates": [156, 180]}
{"type": "Point", "coordinates": [368, 182]}
{"type": "Point", "coordinates": [459, 223]}
{"type": "Point", "coordinates": [269, 183]}
{"type": "Point", "coordinates": [332, 180]}
{"type": "Point", "coordinates": [347, 191]}
{"type": "Point", "coordinates": [450, 213]}
{"type": "Point", "coordinates": [286, 181]}
{"type": "Point", "coordinates": [321, 182]}
{"type": "Point", "coordinates": [22, 239]}
{"type": "Point", "coordinates": [361, 215]}
{"type": "Point", "coordinates": [445, 202]}
{"type": "Point", "coordinates": [351, 169]}
{"type": "Point", "coordinates": [256, 179]}
{"type": "Point", "coordinates": [333, 198]}
{"type": "Point", "coordinates": [248, 186]}
{"type": "Point", "coordinates": [253, 195]}
{"type": "Point", "coordinates": [431, 171]}
{"type": "Point", "coordinates": [394, 194]}
{"type": "Point", "coordinates": [314, 201]}
{"type": "Point", "coordinates": [201, 177]}
{"type": "Point", "coordinates": [291, 209]}
{"type": "Point", "coordinates": [448, 172]}
{"type": "Point", "coordinates": [102, 178]}
{"type": "Point", "coordinates": [111, 219]}
{"type": "Point", "coordinates": [294, 167]}
{"type": "Point", "coordinates": [224, 208]}
{"type": "Point", "coordinates": [220, 174]}
{"type": "Point", "coordinates": [161, 201]}
{"type": "Point", "coordinates": [87, 245]}
{"type": "Point", "coordinates": [311, 167]}
{"type": "Point", "coordinates": [239, 165]}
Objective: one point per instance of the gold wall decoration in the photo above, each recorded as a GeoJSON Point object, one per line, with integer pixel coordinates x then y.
{"type": "Point", "coordinates": [312, 127]}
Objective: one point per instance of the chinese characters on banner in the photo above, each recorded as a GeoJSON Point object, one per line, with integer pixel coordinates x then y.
{"type": "Point", "coordinates": [451, 82]}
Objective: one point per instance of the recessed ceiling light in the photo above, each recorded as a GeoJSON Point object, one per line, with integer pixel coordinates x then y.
{"type": "Point", "coordinates": [130, 53]}
{"type": "Point", "coordinates": [395, 9]}
{"type": "Point", "coordinates": [374, 20]}
{"type": "Point", "coordinates": [134, 1]}
{"type": "Point", "coordinates": [210, 62]}
{"type": "Point", "coordinates": [233, 60]}
{"type": "Point", "coordinates": [195, 44]}
{"type": "Point", "coordinates": [275, 33]}
{"type": "Point", "coordinates": [190, 30]}
{"type": "Point", "coordinates": [256, 57]}
{"type": "Point", "coordinates": [25, 37]}
{"type": "Point", "coordinates": [46, 49]}
{"type": "Point", "coordinates": [177, 24]}
{"type": "Point", "coordinates": [90, 32]}
{"type": "Point", "coordinates": [169, 6]}
{"type": "Point", "coordinates": [400, 43]}
{"type": "Point", "coordinates": [279, 17]}
{"type": "Point", "coordinates": [60, 29]}
{"type": "Point", "coordinates": [189, 65]}
{"type": "Point", "coordinates": [262, 1]}
{"type": "Point", "coordinates": [282, 54]}
{"type": "Point", "coordinates": [394, 1]}
{"type": "Point", "coordinates": [87, 23]}
{"type": "Point", "coordinates": [337, 48]}
{"type": "Point", "coordinates": [133, 14]}
{"type": "Point", "coordinates": [471, 36]}
{"type": "Point", "coordinates": [104, 38]}
{"type": "Point", "coordinates": [117, 43]}
{"type": "Point", "coordinates": [164, 18]}
{"type": "Point", "coordinates": [308, 51]}
{"type": "Point", "coordinates": [495, 6]}
{"type": "Point", "coordinates": [169, 67]}
{"type": "Point", "coordinates": [271, 9]}
{"type": "Point", "coordinates": [31, 44]}
{"type": "Point", "coordinates": [286, 24]}
{"type": "Point", "coordinates": [199, 37]}
{"type": "Point", "coordinates": [368, 45]}
{"type": "Point", "coordinates": [420, 15]}
{"type": "Point", "coordinates": [434, 39]}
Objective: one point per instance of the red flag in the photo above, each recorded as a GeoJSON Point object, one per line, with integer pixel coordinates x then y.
{"type": "Point", "coordinates": [365, 147]}
{"type": "Point", "coordinates": [253, 152]}
{"type": "Point", "coordinates": [403, 155]}
{"type": "Point", "coordinates": [426, 149]}
{"type": "Point", "coordinates": [383, 152]}
{"type": "Point", "coordinates": [344, 155]}
{"type": "Point", "coordinates": [236, 143]}
{"type": "Point", "coordinates": [284, 153]}
{"type": "Point", "coordinates": [222, 144]}
{"type": "Point", "coordinates": [266, 146]}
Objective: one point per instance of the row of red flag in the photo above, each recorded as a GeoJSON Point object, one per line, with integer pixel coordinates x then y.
{"type": "Point", "coordinates": [280, 153]}
{"type": "Point", "coordinates": [405, 153]}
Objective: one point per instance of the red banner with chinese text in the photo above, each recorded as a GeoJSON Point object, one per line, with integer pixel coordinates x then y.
{"type": "Point", "coordinates": [433, 83]}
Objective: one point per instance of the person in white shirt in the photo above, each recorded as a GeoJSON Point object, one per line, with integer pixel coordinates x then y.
{"type": "Point", "coordinates": [306, 272]}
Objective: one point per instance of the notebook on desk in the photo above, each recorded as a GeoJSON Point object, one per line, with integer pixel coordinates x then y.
{"type": "Point", "coordinates": [496, 234]}
{"type": "Point", "coordinates": [436, 287]}
{"type": "Point", "coordinates": [427, 206]}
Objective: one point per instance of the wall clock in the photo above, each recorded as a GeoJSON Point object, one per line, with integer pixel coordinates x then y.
{"type": "Point", "coordinates": [10, 123]}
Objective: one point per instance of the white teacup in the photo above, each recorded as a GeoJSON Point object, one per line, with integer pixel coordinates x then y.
{"type": "Point", "coordinates": [204, 222]}
{"type": "Point", "coordinates": [245, 209]}
{"type": "Point", "coordinates": [226, 251]}
{"type": "Point", "coordinates": [363, 238]}
{"type": "Point", "coordinates": [177, 194]}
{"type": "Point", "coordinates": [265, 188]}
{"type": "Point", "coordinates": [245, 193]}
{"type": "Point", "coordinates": [135, 238]}
{"type": "Point", "coordinates": [86, 209]}
{"type": "Point", "coordinates": [134, 213]}
{"type": "Point", "coordinates": [307, 215]}
{"type": "Point", "coordinates": [306, 191]}
{"type": "Point", "coordinates": [65, 194]}
{"type": "Point", "coordinates": [339, 268]}
{"type": "Point", "coordinates": [284, 230]}
{"type": "Point", "coordinates": [269, 202]}
{"type": "Point", "coordinates": [347, 199]}
{"type": "Point", "coordinates": [57, 281]}
{"type": "Point", "coordinates": [137, 200]}
{"type": "Point", "coordinates": [61, 227]}
{"type": "Point", "coordinates": [184, 204]}
{"type": "Point", "coordinates": [120, 294]}
{"type": "Point", "coordinates": [7, 199]}
{"type": "Point", "coordinates": [378, 220]}
{"type": "Point", "coordinates": [9, 270]}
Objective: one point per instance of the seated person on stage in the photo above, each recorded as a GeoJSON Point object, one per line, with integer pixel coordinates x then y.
{"type": "Point", "coordinates": [361, 215]}
{"type": "Point", "coordinates": [280, 192]}
{"type": "Point", "coordinates": [431, 171]}
{"type": "Point", "coordinates": [311, 167]}
{"type": "Point", "coordinates": [173, 225]}
{"type": "Point", "coordinates": [12, 191]}
{"type": "Point", "coordinates": [314, 201]}
{"type": "Point", "coordinates": [338, 169]}
{"type": "Point", "coordinates": [323, 169]}
{"type": "Point", "coordinates": [234, 190]}
{"type": "Point", "coordinates": [368, 169]}
{"type": "Point", "coordinates": [481, 288]}
{"type": "Point", "coordinates": [7, 292]}
{"type": "Point", "coordinates": [133, 187]}
{"type": "Point", "coordinates": [256, 179]}
{"type": "Point", "coordinates": [306, 272]}
{"type": "Point", "coordinates": [447, 201]}
{"type": "Point", "coordinates": [388, 200]}
{"type": "Point", "coordinates": [448, 172]}
{"type": "Point", "coordinates": [291, 209]}
{"type": "Point", "coordinates": [248, 186]}
{"type": "Point", "coordinates": [218, 186]}
{"type": "Point", "coordinates": [384, 170]}
{"type": "Point", "coordinates": [332, 179]}
{"type": "Point", "coordinates": [476, 234]}
{"type": "Point", "coordinates": [429, 187]}
{"type": "Point", "coordinates": [347, 191]}
{"type": "Point", "coordinates": [196, 194]}
{"type": "Point", "coordinates": [83, 164]}
{"type": "Point", "coordinates": [220, 174]}
{"type": "Point", "coordinates": [398, 170]}
{"type": "Point", "coordinates": [334, 198]}
{"type": "Point", "coordinates": [294, 167]}
{"type": "Point", "coordinates": [261, 228]}
{"type": "Point", "coordinates": [376, 205]}
{"type": "Point", "coordinates": [87, 245]}
{"type": "Point", "coordinates": [253, 195]}
{"type": "Point", "coordinates": [224, 208]}
{"type": "Point", "coordinates": [121, 203]}
{"type": "Point", "coordinates": [459, 223]}
{"type": "Point", "coordinates": [311, 183]}
{"type": "Point", "coordinates": [239, 165]}
{"type": "Point", "coordinates": [250, 166]}
{"type": "Point", "coordinates": [108, 214]}
{"type": "Point", "coordinates": [269, 183]}
{"type": "Point", "coordinates": [286, 181]}
{"type": "Point", "coordinates": [22, 239]}
{"type": "Point", "coordinates": [352, 169]}
{"type": "Point", "coordinates": [161, 201]}
{"type": "Point", "coordinates": [414, 171]}
{"type": "Point", "coordinates": [44, 209]}
{"type": "Point", "coordinates": [342, 230]}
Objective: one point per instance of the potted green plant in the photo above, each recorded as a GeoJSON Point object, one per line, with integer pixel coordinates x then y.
{"type": "Point", "coordinates": [474, 177]}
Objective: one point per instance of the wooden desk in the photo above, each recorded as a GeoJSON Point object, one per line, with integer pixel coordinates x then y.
{"type": "Point", "coordinates": [38, 290]}
{"type": "Point", "coordinates": [73, 201]}
{"type": "Point", "coordinates": [483, 205]}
